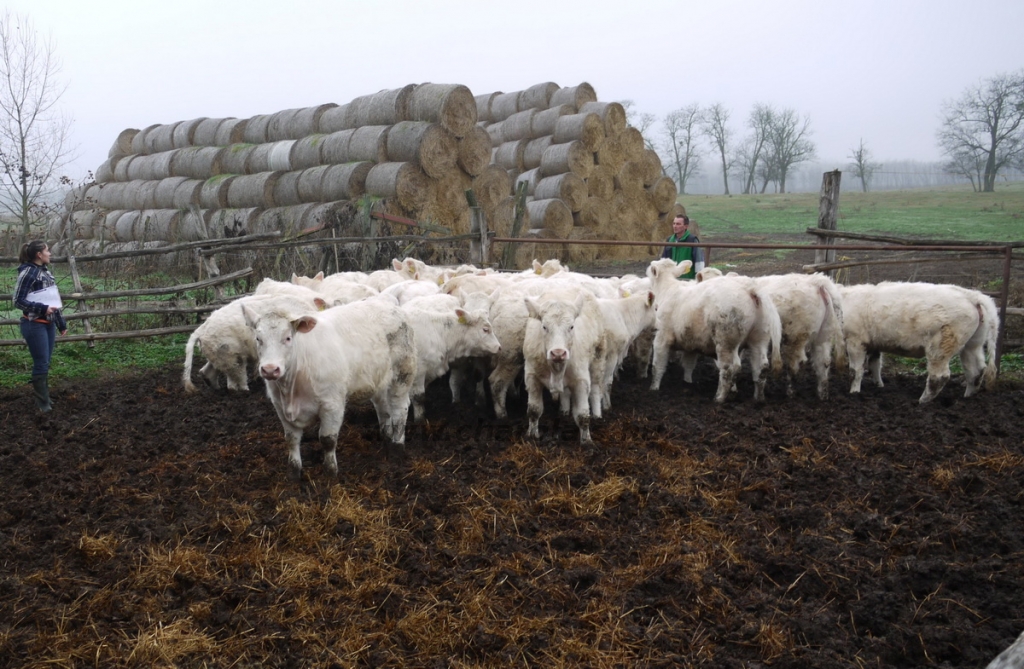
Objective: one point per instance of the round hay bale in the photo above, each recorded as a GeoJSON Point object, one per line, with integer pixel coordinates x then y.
{"type": "Point", "coordinates": [234, 159]}
{"type": "Point", "coordinates": [163, 195]}
{"type": "Point", "coordinates": [187, 194]}
{"type": "Point", "coordinates": [139, 195]}
{"type": "Point", "coordinates": [491, 186]}
{"type": "Point", "coordinates": [139, 140]}
{"type": "Point", "coordinates": [451, 105]}
{"type": "Point", "coordinates": [334, 120]}
{"type": "Point", "coordinates": [263, 157]}
{"type": "Point", "coordinates": [581, 254]}
{"type": "Point", "coordinates": [106, 196]}
{"type": "Point", "coordinates": [232, 222]}
{"type": "Point", "coordinates": [612, 153]}
{"type": "Point", "coordinates": [253, 190]}
{"type": "Point", "coordinates": [567, 187]}
{"type": "Point", "coordinates": [544, 121]}
{"type": "Point", "coordinates": [335, 147]}
{"type": "Point", "coordinates": [369, 142]}
{"type": "Point", "coordinates": [386, 107]}
{"type": "Point", "coordinates": [531, 177]}
{"type": "Point", "coordinates": [652, 167]}
{"type": "Point", "coordinates": [483, 107]}
{"type": "Point", "coordinates": [577, 96]}
{"type": "Point", "coordinates": [205, 133]}
{"type": "Point", "coordinates": [595, 214]}
{"type": "Point", "coordinates": [663, 194]}
{"type": "Point", "coordinates": [571, 157]}
{"type": "Point", "coordinates": [510, 155]}
{"type": "Point", "coordinates": [231, 131]}
{"type": "Point", "coordinates": [104, 226]}
{"type": "Point", "coordinates": [76, 198]}
{"type": "Point", "coordinates": [123, 144]}
{"type": "Point", "coordinates": [105, 171]}
{"type": "Point", "coordinates": [496, 131]}
{"type": "Point", "coordinates": [256, 128]}
{"type": "Point", "coordinates": [286, 190]}
{"type": "Point", "coordinates": [81, 223]}
{"type": "Point", "coordinates": [534, 151]}
{"type": "Point", "coordinates": [124, 226]}
{"type": "Point", "coordinates": [160, 138]}
{"type": "Point", "coordinates": [504, 105]}
{"type": "Point", "coordinates": [332, 215]}
{"type": "Point", "coordinates": [587, 128]}
{"type": "Point", "coordinates": [519, 126]}
{"type": "Point", "coordinates": [428, 145]}
{"type": "Point", "coordinates": [192, 225]}
{"type": "Point", "coordinates": [284, 219]}
{"type": "Point", "coordinates": [279, 126]}
{"type": "Point", "coordinates": [612, 114]}
{"type": "Point", "coordinates": [184, 133]}
{"type": "Point", "coordinates": [542, 251]}
{"type": "Point", "coordinates": [450, 207]}
{"type": "Point", "coordinates": [502, 216]}
{"type": "Point", "coordinates": [630, 178]}
{"type": "Point", "coordinates": [405, 182]}
{"type": "Point", "coordinates": [344, 182]}
{"type": "Point", "coordinates": [151, 167]}
{"type": "Point", "coordinates": [306, 121]}
{"type": "Point", "coordinates": [157, 225]}
{"type": "Point", "coordinates": [121, 168]}
{"type": "Point", "coordinates": [537, 96]}
{"type": "Point", "coordinates": [633, 145]}
{"type": "Point", "coordinates": [306, 152]}
{"type": "Point", "coordinates": [550, 214]}
{"type": "Point", "coordinates": [196, 162]}
{"type": "Point", "coordinates": [601, 182]}
{"type": "Point", "coordinates": [214, 193]}
{"type": "Point", "coordinates": [310, 184]}
{"type": "Point", "coordinates": [474, 151]}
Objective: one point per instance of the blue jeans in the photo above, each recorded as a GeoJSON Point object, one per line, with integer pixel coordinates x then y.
{"type": "Point", "coordinates": [41, 339]}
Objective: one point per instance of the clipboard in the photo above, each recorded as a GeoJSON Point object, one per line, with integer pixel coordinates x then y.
{"type": "Point", "coordinates": [48, 296]}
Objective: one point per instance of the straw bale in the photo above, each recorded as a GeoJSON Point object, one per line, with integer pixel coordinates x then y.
{"type": "Point", "coordinates": [491, 186]}
{"type": "Point", "coordinates": [567, 187]}
{"type": "Point", "coordinates": [306, 152]}
{"type": "Point", "coordinates": [504, 105]}
{"type": "Point", "coordinates": [581, 254]}
{"type": "Point", "coordinates": [571, 157]}
{"type": "Point", "coordinates": [531, 177]}
{"type": "Point", "coordinates": [139, 140]}
{"type": "Point", "coordinates": [483, 107]}
{"type": "Point", "coordinates": [160, 138]}
{"type": "Point", "coordinates": [80, 223]}
{"type": "Point", "coordinates": [335, 147]}
{"type": "Point", "coordinates": [205, 133]}
{"type": "Point", "coordinates": [496, 131]}
{"type": "Point", "coordinates": [123, 229]}
{"type": "Point", "coordinates": [234, 158]}
{"type": "Point", "coordinates": [652, 167]}
{"type": "Point", "coordinates": [449, 206]}
{"type": "Point", "coordinates": [538, 96]}
{"type": "Point", "coordinates": [163, 195]}
{"type": "Point", "coordinates": [123, 144]}
{"type": "Point", "coordinates": [595, 214]}
{"type": "Point", "coordinates": [255, 131]}
{"type": "Point", "coordinates": [588, 128]}
{"type": "Point", "coordinates": [518, 126]}
{"type": "Point", "coordinates": [139, 195]}
{"type": "Point", "coordinates": [253, 190]}
{"type": "Point", "coordinates": [612, 114]}
{"type": "Point", "coordinates": [286, 190]}
{"type": "Point", "coordinates": [612, 153]}
{"type": "Point", "coordinates": [103, 227]}
{"type": "Point", "coordinates": [279, 125]}
{"type": "Point", "coordinates": [76, 198]}
{"type": "Point", "coordinates": [334, 120]}
{"type": "Point", "coordinates": [197, 162]}
{"type": "Point", "coordinates": [633, 145]}
{"type": "Point", "coordinates": [474, 151]}
{"type": "Point", "coordinates": [601, 182]}
{"type": "Point", "coordinates": [105, 171]}
{"type": "Point", "coordinates": [184, 133]}
{"type": "Point", "coordinates": [663, 194]}
{"type": "Point", "coordinates": [428, 145]}
{"type": "Point", "coordinates": [510, 155]}
{"type": "Point", "coordinates": [577, 96]}
{"type": "Point", "coordinates": [231, 131]}
{"type": "Point", "coordinates": [336, 215]}
{"type": "Point", "coordinates": [550, 214]}
{"type": "Point", "coordinates": [289, 219]}
{"type": "Point", "coordinates": [234, 222]}
{"type": "Point", "coordinates": [369, 142]}
{"type": "Point", "coordinates": [121, 168]}
{"type": "Point", "coordinates": [534, 151]}
{"type": "Point", "coordinates": [405, 182]}
{"type": "Point", "coordinates": [544, 121]}
{"type": "Point", "coordinates": [106, 196]}
{"type": "Point", "coordinates": [157, 225]}
{"type": "Point", "coordinates": [310, 183]}
{"type": "Point", "coordinates": [150, 167]}
{"type": "Point", "coordinates": [192, 225]}
{"type": "Point", "coordinates": [386, 107]}
{"type": "Point", "coordinates": [344, 182]}
{"type": "Point", "coordinates": [187, 194]}
{"type": "Point", "coordinates": [451, 105]}
{"type": "Point", "coordinates": [630, 178]}
{"type": "Point", "coordinates": [271, 157]}
{"type": "Point", "coordinates": [214, 193]}
{"type": "Point", "coordinates": [307, 120]}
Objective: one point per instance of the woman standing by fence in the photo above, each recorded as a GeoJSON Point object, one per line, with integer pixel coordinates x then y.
{"type": "Point", "coordinates": [35, 293]}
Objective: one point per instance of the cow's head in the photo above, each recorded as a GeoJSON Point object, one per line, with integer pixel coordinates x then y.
{"type": "Point", "coordinates": [557, 321]}
{"type": "Point", "coordinates": [274, 334]}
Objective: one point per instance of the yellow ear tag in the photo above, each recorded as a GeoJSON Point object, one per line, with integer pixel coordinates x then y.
{"type": "Point", "coordinates": [462, 320]}
{"type": "Point", "coordinates": [626, 293]}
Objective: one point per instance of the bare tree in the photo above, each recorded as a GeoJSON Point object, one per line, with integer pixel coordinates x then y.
{"type": "Point", "coordinates": [788, 143]}
{"type": "Point", "coordinates": [986, 122]}
{"type": "Point", "coordinates": [34, 135]}
{"type": "Point", "coordinates": [862, 167]}
{"type": "Point", "coordinates": [681, 129]}
{"type": "Point", "coordinates": [716, 128]}
{"type": "Point", "coordinates": [748, 156]}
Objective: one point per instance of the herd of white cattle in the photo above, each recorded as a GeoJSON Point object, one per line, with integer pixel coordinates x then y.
{"type": "Point", "coordinates": [384, 336]}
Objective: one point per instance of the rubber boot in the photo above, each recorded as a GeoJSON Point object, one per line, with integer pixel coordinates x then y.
{"type": "Point", "coordinates": [41, 388]}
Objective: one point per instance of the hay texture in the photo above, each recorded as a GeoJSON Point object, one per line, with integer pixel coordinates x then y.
{"type": "Point", "coordinates": [552, 215]}
{"type": "Point", "coordinates": [568, 187]}
{"type": "Point", "coordinates": [426, 144]}
{"type": "Point", "coordinates": [451, 105]}
{"type": "Point", "coordinates": [474, 151]}
{"type": "Point", "coordinates": [405, 182]}
{"type": "Point", "coordinates": [587, 128]}
{"type": "Point", "coordinates": [570, 157]}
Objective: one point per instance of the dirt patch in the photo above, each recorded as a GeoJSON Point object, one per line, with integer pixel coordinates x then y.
{"type": "Point", "coordinates": [143, 527]}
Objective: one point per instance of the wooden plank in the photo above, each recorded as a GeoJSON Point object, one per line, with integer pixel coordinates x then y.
{"type": "Point", "coordinates": [99, 336]}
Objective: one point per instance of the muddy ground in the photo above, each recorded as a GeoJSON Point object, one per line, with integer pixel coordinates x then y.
{"type": "Point", "coordinates": [143, 527]}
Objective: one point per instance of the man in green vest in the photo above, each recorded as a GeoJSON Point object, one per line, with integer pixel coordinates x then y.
{"type": "Point", "coordinates": [695, 254]}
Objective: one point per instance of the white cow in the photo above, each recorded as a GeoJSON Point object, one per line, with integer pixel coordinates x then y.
{"type": "Point", "coordinates": [921, 320]}
{"type": "Point", "coordinates": [314, 363]}
{"type": "Point", "coordinates": [715, 318]}
{"type": "Point", "coordinates": [563, 351]}
{"type": "Point", "coordinates": [623, 320]}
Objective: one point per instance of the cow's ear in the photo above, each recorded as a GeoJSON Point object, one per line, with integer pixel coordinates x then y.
{"type": "Point", "coordinates": [320, 303]}
{"type": "Point", "coordinates": [319, 276]}
{"type": "Point", "coordinates": [684, 267]}
{"type": "Point", "coordinates": [650, 298]}
{"type": "Point", "coordinates": [532, 307]}
{"type": "Point", "coordinates": [397, 264]}
{"type": "Point", "coordinates": [252, 318]}
{"type": "Point", "coordinates": [304, 324]}
{"type": "Point", "coordinates": [463, 316]}
{"type": "Point", "coordinates": [578, 304]}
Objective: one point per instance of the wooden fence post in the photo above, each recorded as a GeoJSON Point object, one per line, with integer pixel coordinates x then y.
{"type": "Point", "coordinates": [81, 303]}
{"type": "Point", "coordinates": [479, 246]}
{"type": "Point", "coordinates": [828, 207]}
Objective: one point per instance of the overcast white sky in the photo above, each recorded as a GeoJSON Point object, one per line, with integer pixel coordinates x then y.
{"type": "Point", "coordinates": [872, 69]}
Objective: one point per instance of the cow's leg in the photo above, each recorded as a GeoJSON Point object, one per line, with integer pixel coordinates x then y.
{"type": "Point", "coordinates": [662, 349]}
{"type": "Point", "coordinates": [418, 395]}
{"type": "Point", "coordinates": [534, 403]}
{"type": "Point", "coordinates": [331, 419]}
{"type": "Point", "coordinates": [821, 362]}
{"type": "Point", "coordinates": [729, 364]}
{"type": "Point", "coordinates": [238, 377]}
{"type": "Point", "coordinates": [758, 367]}
{"type": "Point", "coordinates": [875, 368]}
{"type": "Point", "coordinates": [581, 401]}
{"type": "Point", "coordinates": [293, 437]}
{"type": "Point", "coordinates": [972, 358]}
{"type": "Point", "coordinates": [938, 375]}
{"type": "Point", "coordinates": [210, 375]}
{"type": "Point", "coordinates": [856, 355]}
{"type": "Point", "coordinates": [501, 378]}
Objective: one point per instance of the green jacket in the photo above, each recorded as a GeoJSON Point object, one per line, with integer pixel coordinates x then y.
{"type": "Point", "coordinates": [681, 253]}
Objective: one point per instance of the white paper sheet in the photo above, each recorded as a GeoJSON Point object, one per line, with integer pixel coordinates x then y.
{"type": "Point", "coordinates": [48, 296]}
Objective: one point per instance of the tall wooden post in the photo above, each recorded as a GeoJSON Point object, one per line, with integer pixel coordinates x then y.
{"type": "Point", "coordinates": [479, 246]}
{"type": "Point", "coordinates": [828, 208]}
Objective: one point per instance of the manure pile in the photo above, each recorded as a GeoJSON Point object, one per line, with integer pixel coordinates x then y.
{"type": "Point", "coordinates": [418, 149]}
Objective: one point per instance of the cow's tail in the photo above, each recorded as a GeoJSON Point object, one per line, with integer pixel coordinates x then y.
{"type": "Point", "coordinates": [771, 316]}
{"type": "Point", "coordinates": [186, 375]}
{"type": "Point", "coordinates": [834, 303]}
{"type": "Point", "coordinates": [990, 317]}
